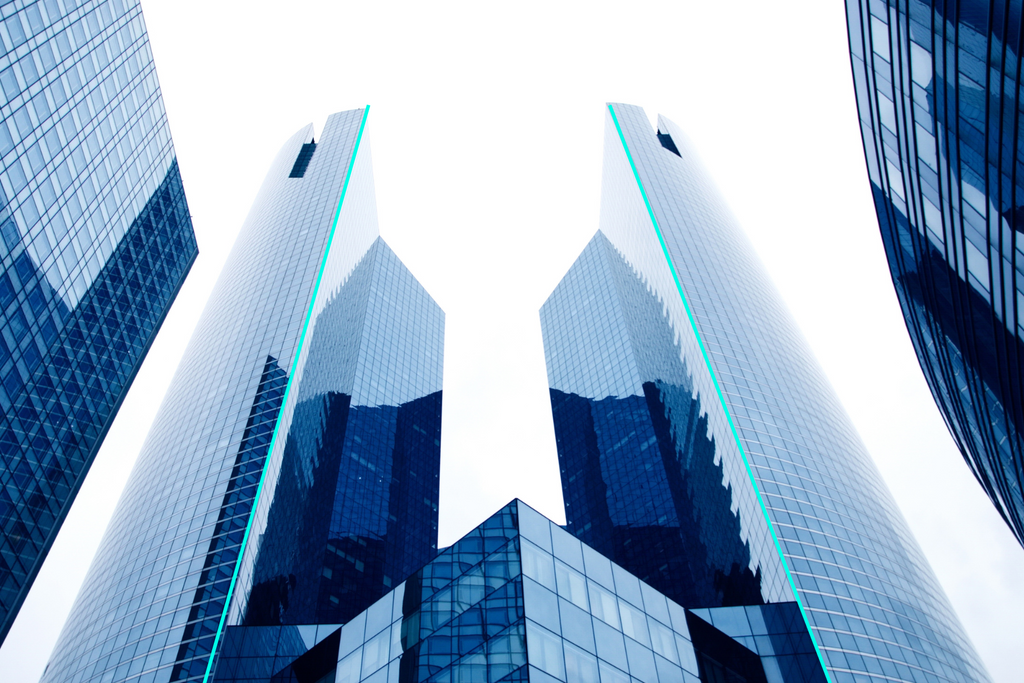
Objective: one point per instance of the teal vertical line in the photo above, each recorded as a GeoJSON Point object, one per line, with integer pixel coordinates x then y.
{"type": "Point", "coordinates": [284, 401]}
{"type": "Point", "coordinates": [718, 390]}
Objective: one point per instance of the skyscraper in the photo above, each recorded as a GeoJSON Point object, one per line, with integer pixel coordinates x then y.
{"type": "Point", "coordinates": [938, 94]}
{"type": "Point", "coordinates": [302, 425]}
{"type": "Point", "coordinates": [701, 446]}
{"type": "Point", "coordinates": [95, 241]}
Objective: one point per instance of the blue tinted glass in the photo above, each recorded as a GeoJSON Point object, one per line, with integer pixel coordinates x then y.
{"type": "Point", "coordinates": [945, 176]}
{"type": "Point", "coordinates": [153, 600]}
{"type": "Point", "coordinates": [703, 450]}
{"type": "Point", "coordinates": [643, 480]}
{"type": "Point", "coordinates": [576, 625]}
{"type": "Point", "coordinates": [90, 259]}
{"type": "Point", "coordinates": [610, 645]}
{"type": "Point", "coordinates": [538, 565]}
{"type": "Point", "coordinates": [542, 605]}
{"type": "Point", "coordinates": [350, 505]}
{"type": "Point", "coordinates": [641, 662]}
{"type": "Point", "coordinates": [462, 618]}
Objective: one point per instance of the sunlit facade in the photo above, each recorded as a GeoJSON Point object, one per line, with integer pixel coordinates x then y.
{"type": "Point", "coordinates": [701, 446]}
{"type": "Point", "coordinates": [295, 455]}
{"type": "Point", "coordinates": [95, 241]}
{"type": "Point", "coordinates": [938, 95]}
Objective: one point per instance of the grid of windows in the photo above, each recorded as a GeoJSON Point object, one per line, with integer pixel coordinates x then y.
{"type": "Point", "coordinates": [642, 466]}
{"type": "Point", "coordinates": [938, 92]}
{"type": "Point", "coordinates": [349, 505]}
{"type": "Point", "coordinates": [95, 239]}
{"type": "Point", "coordinates": [588, 619]}
{"type": "Point", "coordinates": [147, 609]}
{"type": "Point", "coordinates": [520, 599]}
{"type": "Point", "coordinates": [874, 606]}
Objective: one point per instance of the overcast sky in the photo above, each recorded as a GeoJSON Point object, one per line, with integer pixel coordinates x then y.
{"type": "Point", "coordinates": [486, 135]}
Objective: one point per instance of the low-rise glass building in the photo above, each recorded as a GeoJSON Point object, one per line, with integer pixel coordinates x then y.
{"type": "Point", "coordinates": [700, 444]}
{"type": "Point", "coordinates": [521, 599]}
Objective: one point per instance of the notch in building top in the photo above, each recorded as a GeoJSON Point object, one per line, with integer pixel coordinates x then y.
{"type": "Point", "coordinates": [302, 161]}
{"type": "Point", "coordinates": [668, 143]}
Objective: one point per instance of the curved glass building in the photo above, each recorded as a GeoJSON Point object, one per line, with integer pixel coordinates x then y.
{"type": "Point", "coordinates": [95, 241]}
{"type": "Point", "coordinates": [940, 104]}
{"type": "Point", "coordinates": [316, 361]}
{"type": "Point", "coordinates": [700, 444]}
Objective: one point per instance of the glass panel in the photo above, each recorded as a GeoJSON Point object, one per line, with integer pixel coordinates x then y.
{"type": "Point", "coordinates": [580, 666]}
{"type": "Point", "coordinates": [538, 565]}
{"type": "Point", "coordinates": [604, 605]}
{"type": "Point", "coordinates": [571, 585]}
{"type": "Point", "coordinates": [634, 623]}
{"type": "Point", "coordinates": [545, 650]}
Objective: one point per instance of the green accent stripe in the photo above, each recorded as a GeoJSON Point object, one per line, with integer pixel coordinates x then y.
{"type": "Point", "coordinates": [718, 390]}
{"type": "Point", "coordinates": [284, 401]}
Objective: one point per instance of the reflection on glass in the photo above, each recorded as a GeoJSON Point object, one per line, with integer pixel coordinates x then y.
{"type": "Point", "coordinates": [945, 175]}
{"type": "Point", "coordinates": [153, 601]}
{"type": "Point", "coordinates": [95, 240]}
{"type": "Point", "coordinates": [683, 395]}
{"type": "Point", "coordinates": [642, 481]}
{"type": "Point", "coordinates": [354, 509]}
{"type": "Point", "coordinates": [470, 615]}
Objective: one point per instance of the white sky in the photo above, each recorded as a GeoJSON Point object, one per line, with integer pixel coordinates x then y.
{"type": "Point", "coordinates": [486, 131]}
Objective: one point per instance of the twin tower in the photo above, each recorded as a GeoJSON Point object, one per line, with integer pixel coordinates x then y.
{"type": "Point", "coordinates": [724, 521]}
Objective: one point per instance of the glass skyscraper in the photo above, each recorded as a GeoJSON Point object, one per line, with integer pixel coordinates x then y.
{"type": "Point", "coordinates": [95, 241]}
{"type": "Point", "coordinates": [939, 98]}
{"type": "Point", "coordinates": [700, 445]}
{"type": "Point", "coordinates": [290, 476]}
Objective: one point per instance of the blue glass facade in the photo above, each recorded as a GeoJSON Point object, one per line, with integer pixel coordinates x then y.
{"type": "Point", "coordinates": [520, 599]}
{"type": "Point", "coordinates": [349, 504]}
{"type": "Point", "coordinates": [699, 442]}
{"type": "Point", "coordinates": [940, 105]}
{"type": "Point", "coordinates": [95, 240]}
{"type": "Point", "coordinates": [157, 592]}
{"type": "Point", "coordinates": [644, 470]}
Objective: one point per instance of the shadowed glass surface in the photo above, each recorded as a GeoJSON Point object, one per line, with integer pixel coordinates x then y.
{"type": "Point", "coordinates": [940, 105]}
{"type": "Point", "coordinates": [95, 240]}
{"type": "Point", "coordinates": [517, 599]}
{"type": "Point", "coordinates": [349, 507]}
{"type": "Point", "coordinates": [641, 475]}
{"type": "Point", "coordinates": [875, 608]}
{"type": "Point", "coordinates": [155, 594]}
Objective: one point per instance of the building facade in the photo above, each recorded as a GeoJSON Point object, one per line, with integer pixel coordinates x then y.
{"type": "Point", "coordinates": [520, 599]}
{"type": "Point", "coordinates": [940, 108]}
{"type": "Point", "coordinates": [699, 443]}
{"type": "Point", "coordinates": [95, 241]}
{"type": "Point", "coordinates": [315, 368]}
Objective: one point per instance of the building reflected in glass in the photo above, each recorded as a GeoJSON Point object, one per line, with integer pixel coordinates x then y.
{"type": "Point", "coordinates": [699, 443]}
{"type": "Point", "coordinates": [349, 507]}
{"type": "Point", "coordinates": [314, 377]}
{"type": "Point", "coordinates": [938, 93]}
{"type": "Point", "coordinates": [520, 599]}
{"type": "Point", "coordinates": [95, 240]}
{"type": "Point", "coordinates": [642, 475]}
